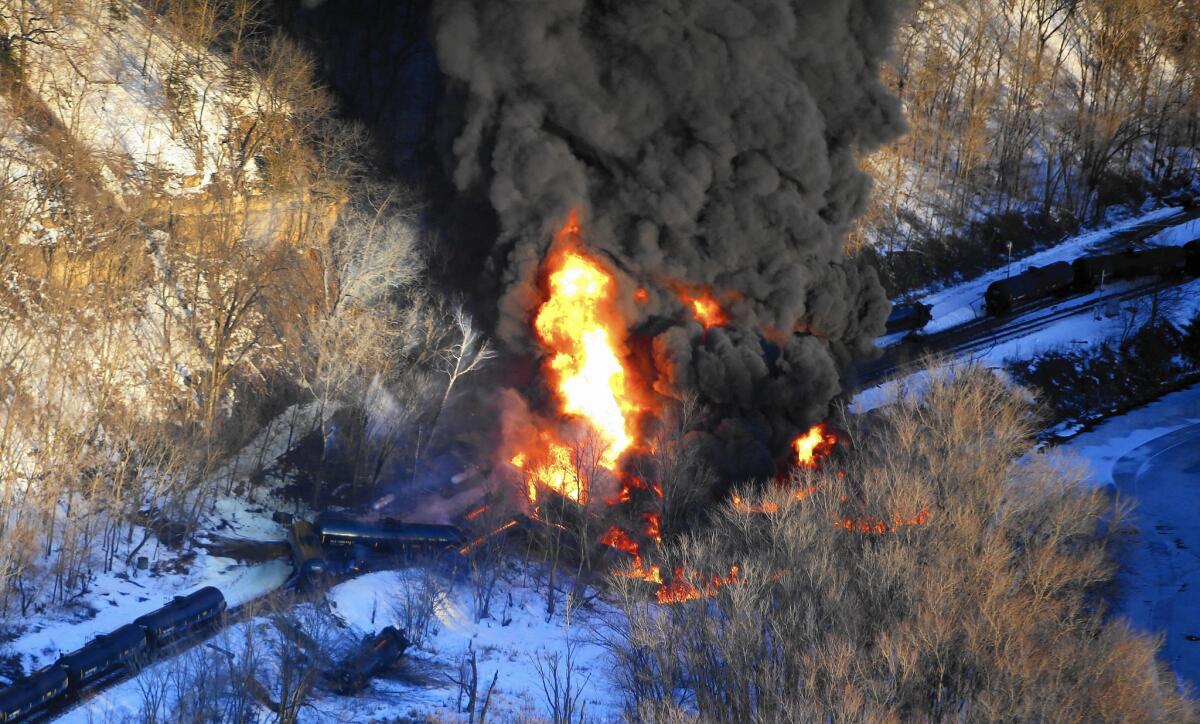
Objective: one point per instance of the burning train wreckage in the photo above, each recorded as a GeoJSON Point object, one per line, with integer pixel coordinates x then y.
{"type": "Point", "coordinates": [672, 185]}
{"type": "Point", "coordinates": [601, 404]}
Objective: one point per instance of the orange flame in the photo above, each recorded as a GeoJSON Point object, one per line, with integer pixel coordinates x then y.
{"type": "Point", "coordinates": [555, 471]}
{"type": "Point", "coordinates": [742, 506]}
{"type": "Point", "coordinates": [879, 526]}
{"type": "Point", "coordinates": [484, 538]}
{"type": "Point", "coordinates": [651, 574]}
{"type": "Point", "coordinates": [813, 446]}
{"type": "Point", "coordinates": [620, 540]}
{"type": "Point", "coordinates": [682, 590]}
{"type": "Point", "coordinates": [653, 526]}
{"type": "Point", "coordinates": [629, 483]}
{"type": "Point", "coordinates": [705, 307]}
{"type": "Point", "coordinates": [581, 328]}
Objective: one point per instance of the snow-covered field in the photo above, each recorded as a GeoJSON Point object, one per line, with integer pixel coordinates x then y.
{"type": "Point", "coordinates": [510, 646]}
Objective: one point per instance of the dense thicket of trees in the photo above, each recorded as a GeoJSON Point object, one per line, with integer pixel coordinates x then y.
{"type": "Point", "coordinates": [967, 588]}
{"type": "Point", "coordinates": [1051, 110]}
{"type": "Point", "coordinates": [147, 337]}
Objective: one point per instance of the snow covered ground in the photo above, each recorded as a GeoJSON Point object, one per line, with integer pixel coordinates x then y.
{"type": "Point", "coordinates": [1090, 326]}
{"type": "Point", "coordinates": [508, 646]}
{"type": "Point", "coordinates": [962, 303]}
{"type": "Point", "coordinates": [117, 597]}
{"type": "Point", "coordinates": [1152, 455]}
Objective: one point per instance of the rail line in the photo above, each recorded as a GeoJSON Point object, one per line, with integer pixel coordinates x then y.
{"type": "Point", "coordinates": [982, 332]}
{"type": "Point", "coordinates": [987, 332]}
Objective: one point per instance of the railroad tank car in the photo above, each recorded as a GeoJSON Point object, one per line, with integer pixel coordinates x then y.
{"type": "Point", "coordinates": [1159, 261]}
{"type": "Point", "coordinates": [375, 655]}
{"type": "Point", "coordinates": [105, 653]}
{"type": "Point", "coordinates": [182, 616]}
{"type": "Point", "coordinates": [32, 693]}
{"type": "Point", "coordinates": [307, 555]}
{"type": "Point", "coordinates": [1035, 283]}
{"type": "Point", "coordinates": [909, 317]}
{"type": "Point", "coordinates": [388, 534]}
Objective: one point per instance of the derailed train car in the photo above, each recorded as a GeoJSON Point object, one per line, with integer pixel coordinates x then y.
{"type": "Point", "coordinates": [308, 557]}
{"type": "Point", "coordinates": [388, 535]}
{"type": "Point", "coordinates": [375, 655]}
{"type": "Point", "coordinates": [118, 649]}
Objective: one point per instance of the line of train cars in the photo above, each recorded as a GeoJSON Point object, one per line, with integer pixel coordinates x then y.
{"type": "Point", "coordinates": [1061, 278]}
{"type": "Point", "coordinates": [123, 648]}
{"type": "Point", "coordinates": [340, 538]}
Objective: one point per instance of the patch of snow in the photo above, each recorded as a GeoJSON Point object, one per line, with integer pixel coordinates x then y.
{"type": "Point", "coordinates": [506, 647]}
{"type": "Point", "coordinates": [119, 598]}
{"type": "Point", "coordinates": [960, 303]}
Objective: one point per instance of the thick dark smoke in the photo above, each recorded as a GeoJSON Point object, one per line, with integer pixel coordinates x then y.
{"type": "Point", "coordinates": [705, 142]}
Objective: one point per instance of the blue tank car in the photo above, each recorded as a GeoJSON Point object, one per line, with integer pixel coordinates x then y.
{"type": "Point", "coordinates": [908, 317]}
{"type": "Point", "coordinates": [182, 616]}
{"type": "Point", "coordinates": [104, 654]}
{"type": "Point", "coordinates": [31, 693]}
{"type": "Point", "coordinates": [388, 534]}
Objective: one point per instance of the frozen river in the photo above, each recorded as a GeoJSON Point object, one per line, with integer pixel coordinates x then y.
{"type": "Point", "coordinates": [1153, 456]}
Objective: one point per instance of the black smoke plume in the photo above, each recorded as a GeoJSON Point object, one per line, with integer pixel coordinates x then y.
{"type": "Point", "coordinates": [705, 142]}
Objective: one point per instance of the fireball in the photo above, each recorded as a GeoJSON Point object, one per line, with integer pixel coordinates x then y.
{"type": "Point", "coordinates": [583, 333]}
{"type": "Point", "coordinates": [813, 446]}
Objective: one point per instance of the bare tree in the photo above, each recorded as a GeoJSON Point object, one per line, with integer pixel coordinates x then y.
{"type": "Point", "coordinates": [468, 353]}
{"type": "Point", "coordinates": [467, 681]}
{"type": "Point", "coordinates": [562, 691]}
{"type": "Point", "coordinates": [421, 592]}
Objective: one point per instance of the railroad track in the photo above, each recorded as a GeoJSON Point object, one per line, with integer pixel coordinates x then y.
{"type": "Point", "coordinates": [984, 332]}
{"type": "Point", "coordinates": [987, 332]}
{"type": "Point", "coordinates": [1027, 326]}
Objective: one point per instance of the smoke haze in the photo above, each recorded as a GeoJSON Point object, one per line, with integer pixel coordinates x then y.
{"type": "Point", "coordinates": [707, 143]}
